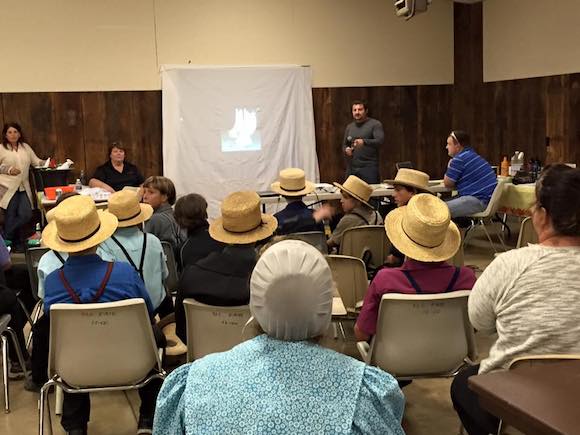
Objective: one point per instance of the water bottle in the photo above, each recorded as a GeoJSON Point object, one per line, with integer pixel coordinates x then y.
{"type": "Point", "coordinates": [83, 178]}
{"type": "Point", "coordinates": [78, 185]}
{"type": "Point", "coordinates": [513, 164]}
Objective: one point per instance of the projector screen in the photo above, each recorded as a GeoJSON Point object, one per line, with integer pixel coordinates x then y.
{"type": "Point", "coordinates": [234, 128]}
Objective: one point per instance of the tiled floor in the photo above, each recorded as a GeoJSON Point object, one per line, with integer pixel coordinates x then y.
{"type": "Point", "coordinates": [428, 406]}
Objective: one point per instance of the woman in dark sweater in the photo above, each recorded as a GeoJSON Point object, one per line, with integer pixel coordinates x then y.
{"type": "Point", "coordinates": [191, 215]}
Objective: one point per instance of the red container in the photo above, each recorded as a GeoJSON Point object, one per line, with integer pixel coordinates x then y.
{"type": "Point", "coordinates": [50, 192]}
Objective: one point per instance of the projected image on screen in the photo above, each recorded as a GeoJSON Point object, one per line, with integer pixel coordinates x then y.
{"type": "Point", "coordinates": [244, 134]}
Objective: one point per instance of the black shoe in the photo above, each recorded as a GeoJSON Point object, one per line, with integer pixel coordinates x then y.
{"type": "Point", "coordinates": [78, 431]}
{"type": "Point", "coordinates": [32, 386]}
{"type": "Point", "coordinates": [145, 425]}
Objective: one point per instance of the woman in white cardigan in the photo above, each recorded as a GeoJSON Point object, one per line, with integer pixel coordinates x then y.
{"type": "Point", "coordinates": [16, 156]}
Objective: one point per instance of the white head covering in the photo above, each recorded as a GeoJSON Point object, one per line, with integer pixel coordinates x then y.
{"type": "Point", "coordinates": [291, 291]}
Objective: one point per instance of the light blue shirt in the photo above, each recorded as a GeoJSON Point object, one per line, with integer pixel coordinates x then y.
{"type": "Point", "coordinates": [269, 386]}
{"type": "Point", "coordinates": [154, 264]}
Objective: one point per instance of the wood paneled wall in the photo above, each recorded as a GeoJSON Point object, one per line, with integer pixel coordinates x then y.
{"type": "Point", "coordinates": [506, 116]}
{"type": "Point", "coordinates": [501, 117]}
{"type": "Point", "coordinates": [82, 125]}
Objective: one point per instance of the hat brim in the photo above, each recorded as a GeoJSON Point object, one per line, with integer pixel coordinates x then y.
{"type": "Point", "coordinates": [421, 189]}
{"type": "Point", "coordinates": [145, 215]}
{"type": "Point", "coordinates": [447, 249]}
{"type": "Point", "coordinates": [308, 188]}
{"type": "Point", "coordinates": [263, 231]}
{"type": "Point", "coordinates": [354, 195]}
{"type": "Point", "coordinates": [108, 226]}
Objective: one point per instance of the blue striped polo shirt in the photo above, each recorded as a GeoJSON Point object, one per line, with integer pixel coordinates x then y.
{"type": "Point", "coordinates": [472, 175]}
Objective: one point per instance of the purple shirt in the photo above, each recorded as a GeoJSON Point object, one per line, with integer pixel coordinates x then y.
{"type": "Point", "coordinates": [430, 277]}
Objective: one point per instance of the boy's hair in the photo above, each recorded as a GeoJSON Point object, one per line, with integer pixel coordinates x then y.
{"type": "Point", "coordinates": [164, 185]}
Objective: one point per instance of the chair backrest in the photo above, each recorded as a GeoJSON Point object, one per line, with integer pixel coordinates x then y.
{"type": "Point", "coordinates": [458, 259]}
{"type": "Point", "coordinates": [423, 335]}
{"type": "Point", "coordinates": [369, 238]}
{"type": "Point", "coordinates": [212, 329]}
{"type": "Point", "coordinates": [494, 201]}
{"type": "Point", "coordinates": [407, 164]}
{"type": "Point", "coordinates": [32, 256]}
{"type": "Point", "coordinates": [103, 344]}
{"type": "Point", "coordinates": [4, 320]}
{"type": "Point", "coordinates": [314, 238]}
{"type": "Point", "coordinates": [172, 281]}
{"type": "Point", "coordinates": [527, 233]}
{"type": "Point", "coordinates": [350, 276]}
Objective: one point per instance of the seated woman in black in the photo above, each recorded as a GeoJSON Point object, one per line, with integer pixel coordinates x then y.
{"type": "Point", "coordinates": [116, 173]}
{"type": "Point", "coordinates": [191, 215]}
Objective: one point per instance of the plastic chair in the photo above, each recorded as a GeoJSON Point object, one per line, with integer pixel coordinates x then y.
{"type": "Point", "coordinates": [422, 336]}
{"type": "Point", "coordinates": [212, 329]}
{"type": "Point", "coordinates": [480, 219]}
{"type": "Point", "coordinates": [314, 238]}
{"type": "Point", "coordinates": [6, 331]}
{"type": "Point", "coordinates": [100, 347]}
{"type": "Point", "coordinates": [350, 276]}
{"type": "Point", "coordinates": [32, 257]}
{"type": "Point", "coordinates": [527, 233]}
{"type": "Point", "coordinates": [360, 241]}
{"type": "Point", "coordinates": [172, 281]}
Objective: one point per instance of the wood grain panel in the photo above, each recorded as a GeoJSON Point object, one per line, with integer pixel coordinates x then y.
{"type": "Point", "coordinates": [70, 130]}
{"type": "Point", "coordinates": [147, 131]}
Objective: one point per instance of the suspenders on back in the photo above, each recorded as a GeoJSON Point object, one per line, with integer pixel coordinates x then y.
{"type": "Point", "coordinates": [75, 297]}
{"type": "Point", "coordinates": [365, 219]}
{"type": "Point", "coordinates": [128, 257]}
{"type": "Point", "coordinates": [418, 289]}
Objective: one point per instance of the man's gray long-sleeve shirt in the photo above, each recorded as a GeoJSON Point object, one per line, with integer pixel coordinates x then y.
{"type": "Point", "coordinates": [371, 131]}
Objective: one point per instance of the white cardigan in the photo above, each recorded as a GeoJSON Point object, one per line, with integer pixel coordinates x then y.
{"type": "Point", "coordinates": [21, 159]}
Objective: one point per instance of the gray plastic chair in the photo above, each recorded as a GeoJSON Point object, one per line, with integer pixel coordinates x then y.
{"type": "Point", "coordinates": [314, 238]}
{"type": "Point", "coordinates": [6, 331]}
{"type": "Point", "coordinates": [172, 281]}
{"type": "Point", "coordinates": [106, 346]}
{"type": "Point", "coordinates": [212, 329]}
{"type": "Point", "coordinates": [422, 336]}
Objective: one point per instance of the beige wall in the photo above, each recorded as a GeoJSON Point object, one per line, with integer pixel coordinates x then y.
{"type": "Point", "coordinates": [84, 45]}
{"type": "Point", "coordinates": [530, 38]}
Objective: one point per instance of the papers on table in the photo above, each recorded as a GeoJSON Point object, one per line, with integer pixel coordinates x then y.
{"type": "Point", "coordinates": [96, 193]}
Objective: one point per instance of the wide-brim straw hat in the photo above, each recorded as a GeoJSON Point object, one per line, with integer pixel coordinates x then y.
{"type": "Point", "coordinates": [77, 225]}
{"type": "Point", "coordinates": [357, 188]}
{"type": "Point", "coordinates": [411, 178]}
{"type": "Point", "coordinates": [423, 230]}
{"type": "Point", "coordinates": [292, 182]}
{"type": "Point", "coordinates": [125, 205]}
{"type": "Point", "coordinates": [241, 221]}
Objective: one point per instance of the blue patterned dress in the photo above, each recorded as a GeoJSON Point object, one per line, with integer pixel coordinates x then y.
{"type": "Point", "coordinates": [268, 386]}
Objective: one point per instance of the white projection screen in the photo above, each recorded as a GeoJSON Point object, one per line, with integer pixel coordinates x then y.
{"type": "Point", "coordinates": [234, 128]}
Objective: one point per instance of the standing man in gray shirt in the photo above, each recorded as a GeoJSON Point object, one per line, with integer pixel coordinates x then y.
{"type": "Point", "coordinates": [362, 140]}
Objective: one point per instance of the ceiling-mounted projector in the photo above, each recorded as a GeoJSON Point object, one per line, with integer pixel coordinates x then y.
{"type": "Point", "coordinates": [408, 8]}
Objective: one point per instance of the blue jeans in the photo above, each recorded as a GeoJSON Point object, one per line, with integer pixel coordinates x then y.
{"type": "Point", "coordinates": [465, 206]}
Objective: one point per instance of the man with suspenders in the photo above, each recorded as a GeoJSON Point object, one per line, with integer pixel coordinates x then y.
{"type": "Point", "coordinates": [141, 250]}
{"type": "Point", "coordinates": [422, 230]}
{"type": "Point", "coordinates": [77, 228]}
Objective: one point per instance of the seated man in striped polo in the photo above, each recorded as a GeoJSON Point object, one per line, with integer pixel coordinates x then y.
{"type": "Point", "coordinates": [470, 174]}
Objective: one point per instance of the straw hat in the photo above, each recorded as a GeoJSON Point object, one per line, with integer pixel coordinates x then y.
{"type": "Point", "coordinates": [356, 188]}
{"type": "Point", "coordinates": [411, 178]}
{"type": "Point", "coordinates": [291, 291]}
{"type": "Point", "coordinates": [422, 230]}
{"type": "Point", "coordinates": [125, 205]}
{"type": "Point", "coordinates": [241, 221]}
{"type": "Point", "coordinates": [292, 182]}
{"type": "Point", "coordinates": [77, 225]}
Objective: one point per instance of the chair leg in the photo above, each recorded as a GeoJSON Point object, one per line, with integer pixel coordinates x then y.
{"type": "Point", "coordinates": [5, 374]}
{"type": "Point", "coordinates": [42, 406]}
{"type": "Point", "coordinates": [58, 400]}
{"type": "Point", "coordinates": [35, 316]}
{"type": "Point", "coordinates": [468, 232]}
{"type": "Point", "coordinates": [488, 236]}
{"type": "Point", "coordinates": [342, 331]}
{"type": "Point", "coordinates": [18, 351]}
{"type": "Point", "coordinates": [499, 428]}
{"type": "Point", "coordinates": [335, 329]}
